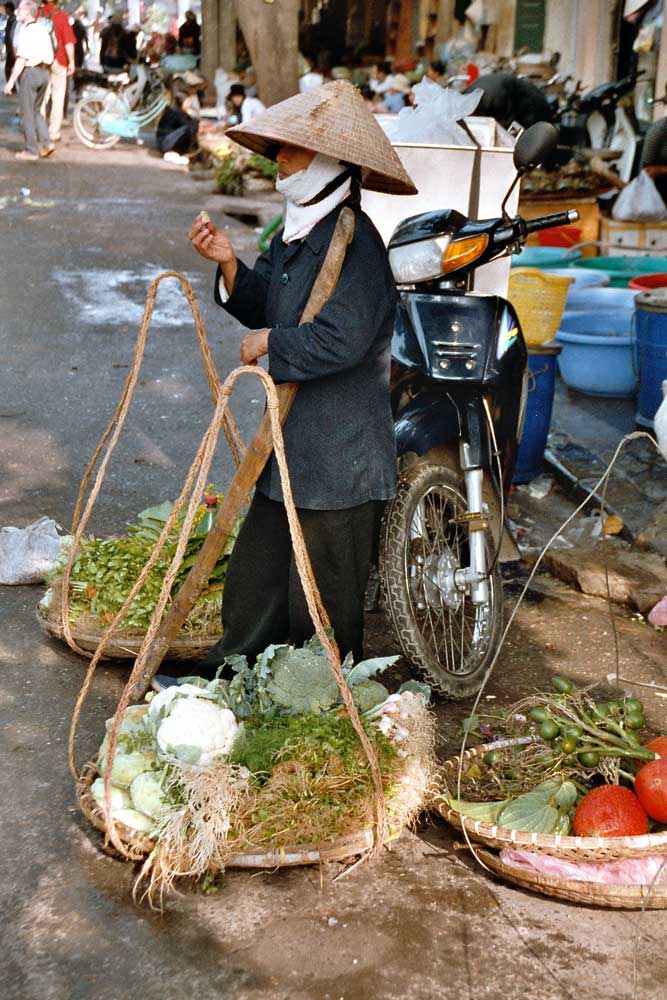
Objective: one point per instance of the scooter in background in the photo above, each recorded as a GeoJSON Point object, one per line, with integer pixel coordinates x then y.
{"type": "Point", "coordinates": [601, 120]}
{"type": "Point", "coordinates": [458, 395]}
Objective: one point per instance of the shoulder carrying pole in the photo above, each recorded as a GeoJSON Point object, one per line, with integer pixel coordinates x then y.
{"type": "Point", "coordinates": [247, 474]}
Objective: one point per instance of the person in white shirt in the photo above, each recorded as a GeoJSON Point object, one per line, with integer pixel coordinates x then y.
{"type": "Point", "coordinates": [34, 55]}
{"type": "Point", "coordinates": [244, 109]}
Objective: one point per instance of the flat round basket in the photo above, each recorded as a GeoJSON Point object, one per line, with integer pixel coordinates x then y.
{"type": "Point", "coordinates": [122, 647]}
{"type": "Point", "coordinates": [340, 849]}
{"type": "Point", "coordinates": [617, 897]}
{"type": "Point", "coordinates": [570, 848]}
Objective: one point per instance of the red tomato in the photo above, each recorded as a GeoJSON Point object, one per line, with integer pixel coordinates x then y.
{"type": "Point", "coordinates": [610, 811]}
{"type": "Point", "coordinates": [658, 745]}
{"type": "Point", "coordinates": [651, 788]}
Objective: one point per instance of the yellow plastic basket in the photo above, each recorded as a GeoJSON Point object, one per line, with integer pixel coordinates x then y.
{"type": "Point", "coordinates": [539, 299]}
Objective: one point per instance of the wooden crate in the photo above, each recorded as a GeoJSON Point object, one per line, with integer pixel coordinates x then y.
{"type": "Point", "coordinates": [589, 216]}
{"type": "Point", "coordinates": [630, 239]}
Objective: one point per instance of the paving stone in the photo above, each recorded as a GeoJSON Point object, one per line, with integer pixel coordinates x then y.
{"type": "Point", "coordinates": [654, 535]}
{"type": "Point", "coordinates": [638, 579]}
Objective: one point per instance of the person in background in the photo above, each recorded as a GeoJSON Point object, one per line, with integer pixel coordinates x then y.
{"type": "Point", "coordinates": [10, 27]}
{"type": "Point", "coordinates": [243, 108]}
{"type": "Point", "coordinates": [380, 78]}
{"type": "Point", "coordinates": [397, 97]}
{"type": "Point", "coordinates": [310, 78]}
{"type": "Point", "coordinates": [62, 66]}
{"type": "Point", "coordinates": [178, 126]}
{"type": "Point", "coordinates": [116, 46]}
{"type": "Point", "coordinates": [436, 72]}
{"type": "Point", "coordinates": [189, 35]}
{"type": "Point", "coordinates": [81, 47]}
{"type": "Point", "coordinates": [34, 55]}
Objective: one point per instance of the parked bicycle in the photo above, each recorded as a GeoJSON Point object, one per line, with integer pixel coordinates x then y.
{"type": "Point", "coordinates": [105, 114]}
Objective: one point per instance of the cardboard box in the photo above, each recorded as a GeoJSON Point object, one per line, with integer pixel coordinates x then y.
{"type": "Point", "coordinates": [473, 179]}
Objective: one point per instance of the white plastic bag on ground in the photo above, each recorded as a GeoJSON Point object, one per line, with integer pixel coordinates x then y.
{"type": "Point", "coordinates": [28, 554]}
{"type": "Point", "coordinates": [640, 201]}
{"type": "Point", "coordinates": [435, 116]}
{"type": "Point", "coordinates": [660, 422]}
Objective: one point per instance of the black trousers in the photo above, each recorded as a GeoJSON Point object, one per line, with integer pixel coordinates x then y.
{"type": "Point", "coordinates": [264, 602]}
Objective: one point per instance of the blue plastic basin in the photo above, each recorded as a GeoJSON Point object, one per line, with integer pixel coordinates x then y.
{"type": "Point", "coordinates": [597, 353]}
{"type": "Point", "coordinates": [545, 257]}
{"type": "Point", "coordinates": [582, 277]}
{"type": "Point", "coordinates": [604, 299]}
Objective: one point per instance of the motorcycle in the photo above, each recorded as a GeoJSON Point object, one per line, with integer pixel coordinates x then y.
{"type": "Point", "coordinates": [459, 391]}
{"type": "Point", "coordinates": [602, 120]}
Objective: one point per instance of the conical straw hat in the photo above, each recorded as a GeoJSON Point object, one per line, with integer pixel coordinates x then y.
{"type": "Point", "coordinates": [333, 120]}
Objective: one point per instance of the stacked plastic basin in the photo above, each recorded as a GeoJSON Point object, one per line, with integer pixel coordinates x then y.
{"type": "Point", "coordinates": [621, 270]}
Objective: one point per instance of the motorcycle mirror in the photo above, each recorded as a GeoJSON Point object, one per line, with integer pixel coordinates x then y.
{"type": "Point", "coordinates": [537, 144]}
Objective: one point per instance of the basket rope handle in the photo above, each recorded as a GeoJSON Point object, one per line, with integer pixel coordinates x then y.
{"type": "Point", "coordinates": [194, 485]}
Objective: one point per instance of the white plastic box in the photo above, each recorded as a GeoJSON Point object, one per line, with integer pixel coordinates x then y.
{"type": "Point", "coordinates": [473, 179]}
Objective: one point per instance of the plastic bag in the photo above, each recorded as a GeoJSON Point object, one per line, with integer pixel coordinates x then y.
{"type": "Point", "coordinates": [434, 117]}
{"type": "Point", "coordinates": [628, 871]}
{"type": "Point", "coordinates": [658, 614]}
{"type": "Point", "coordinates": [28, 554]}
{"type": "Point", "coordinates": [640, 201]}
{"type": "Point", "coordinates": [660, 422]}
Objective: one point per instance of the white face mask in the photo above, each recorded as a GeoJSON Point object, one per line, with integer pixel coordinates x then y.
{"type": "Point", "coordinates": [302, 187]}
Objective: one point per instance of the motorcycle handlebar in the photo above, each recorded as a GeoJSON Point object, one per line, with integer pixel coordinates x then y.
{"type": "Point", "coordinates": [549, 221]}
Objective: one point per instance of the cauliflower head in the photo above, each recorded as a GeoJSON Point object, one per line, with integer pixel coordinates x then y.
{"type": "Point", "coordinates": [196, 730]}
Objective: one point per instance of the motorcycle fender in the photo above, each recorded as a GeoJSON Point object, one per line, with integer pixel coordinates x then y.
{"type": "Point", "coordinates": [426, 422]}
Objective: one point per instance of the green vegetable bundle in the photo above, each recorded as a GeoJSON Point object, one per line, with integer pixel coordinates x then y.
{"type": "Point", "coordinates": [105, 570]}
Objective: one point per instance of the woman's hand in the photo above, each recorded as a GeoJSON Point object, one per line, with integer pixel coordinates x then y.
{"type": "Point", "coordinates": [253, 346]}
{"type": "Point", "coordinates": [210, 242]}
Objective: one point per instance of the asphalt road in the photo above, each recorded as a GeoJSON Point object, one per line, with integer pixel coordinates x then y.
{"type": "Point", "coordinates": [78, 255]}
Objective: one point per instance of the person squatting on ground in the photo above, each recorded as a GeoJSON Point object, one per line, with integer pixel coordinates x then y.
{"type": "Point", "coordinates": [339, 434]}
{"type": "Point", "coordinates": [34, 55]}
{"type": "Point", "coordinates": [62, 67]}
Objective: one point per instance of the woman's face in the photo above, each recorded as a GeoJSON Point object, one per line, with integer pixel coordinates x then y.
{"type": "Point", "coordinates": [292, 159]}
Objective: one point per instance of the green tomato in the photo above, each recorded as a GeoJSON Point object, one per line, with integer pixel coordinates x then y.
{"type": "Point", "coordinates": [538, 714]}
{"type": "Point", "coordinates": [633, 705]}
{"type": "Point", "coordinates": [562, 684]}
{"type": "Point", "coordinates": [573, 731]}
{"type": "Point", "coordinates": [634, 720]}
{"type": "Point", "coordinates": [589, 758]}
{"type": "Point", "coordinates": [569, 745]}
{"type": "Point", "coordinates": [549, 730]}
{"type": "Point", "coordinates": [601, 711]}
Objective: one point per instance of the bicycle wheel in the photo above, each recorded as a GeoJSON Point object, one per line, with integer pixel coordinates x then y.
{"type": "Point", "coordinates": [86, 122]}
{"type": "Point", "coordinates": [449, 639]}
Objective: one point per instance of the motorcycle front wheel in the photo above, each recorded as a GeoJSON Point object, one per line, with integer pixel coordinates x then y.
{"type": "Point", "coordinates": [86, 122]}
{"type": "Point", "coordinates": [445, 636]}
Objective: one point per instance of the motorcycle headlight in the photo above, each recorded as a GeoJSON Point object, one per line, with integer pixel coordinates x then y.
{"type": "Point", "coordinates": [416, 262]}
{"type": "Point", "coordinates": [429, 259]}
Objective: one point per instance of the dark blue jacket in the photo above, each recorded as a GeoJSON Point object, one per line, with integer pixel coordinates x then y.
{"type": "Point", "coordinates": [339, 435]}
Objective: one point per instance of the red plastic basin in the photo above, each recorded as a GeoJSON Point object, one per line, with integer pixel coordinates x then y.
{"type": "Point", "coordinates": [646, 282]}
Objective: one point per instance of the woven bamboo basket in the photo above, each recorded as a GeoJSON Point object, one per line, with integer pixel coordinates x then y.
{"type": "Point", "coordinates": [570, 848]}
{"type": "Point", "coordinates": [617, 897]}
{"type": "Point", "coordinates": [341, 849]}
{"type": "Point", "coordinates": [539, 300]}
{"type": "Point", "coordinates": [126, 647]}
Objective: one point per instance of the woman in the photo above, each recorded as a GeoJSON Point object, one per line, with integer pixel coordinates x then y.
{"type": "Point", "coordinates": [339, 435]}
